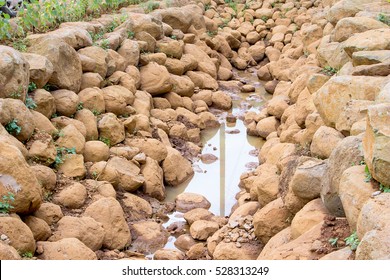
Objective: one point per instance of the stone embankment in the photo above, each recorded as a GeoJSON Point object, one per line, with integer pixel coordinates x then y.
{"type": "Point", "coordinates": [99, 118]}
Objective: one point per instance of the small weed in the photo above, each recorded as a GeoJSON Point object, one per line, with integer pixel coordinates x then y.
{"type": "Point", "coordinates": [384, 188]}
{"type": "Point", "coordinates": [384, 18]}
{"type": "Point", "coordinates": [105, 141]}
{"type": "Point", "coordinates": [94, 175]}
{"type": "Point", "coordinates": [174, 37]}
{"type": "Point", "coordinates": [5, 203]}
{"type": "Point", "coordinates": [48, 196]}
{"type": "Point", "coordinates": [368, 174]}
{"type": "Point", "coordinates": [80, 106]}
{"type": "Point", "coordinates": [150, 6]}
{"type": "Point", "coordinates": [212, 33]}
{"type": "Point", "coordinates": [114, 24]}
{"type": "Point", "coordinates": [333, 241]}
{"type": "Point", "coordinates": [264, 18]}
{"type": "Point", "coordinates": [96, 112]}
{"type": "Point", "coordinates": [104, 44]}
{"type": "Point", "coordinates": [20, 45]}
{"type": "Point", "coordinates": [352, 241]}
{"type": "Point", "coordinates": [49, 87]}
{"type": "Point", "coordinates": [30, 103]}
{"type": "Point", "coordinates": [13, 128]}
{"type": "Point", "coordinates": [54, 116]}
{"type": "Point", "coordinates": [31, 87]}
{"type": "Point", "coordinates": [27, 255]}
{"type": "Point", "coordinates": [15, 95]}
{"type": "Point", "coordinates": [130, 34]}
{"type": "Point", "coordinates": [207, 7]}
{"type": "Point", "coordinates": [61, 152]}
{"type": "Point", "coordinates": [330, 71]}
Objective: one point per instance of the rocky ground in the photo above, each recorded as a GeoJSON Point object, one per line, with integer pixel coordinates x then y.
{"type": "Point", "coordinates": [116, 114]}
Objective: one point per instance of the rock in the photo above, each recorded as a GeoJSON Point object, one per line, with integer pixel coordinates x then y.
{"type": "Point", "coordinates": [182, 85]}
{"type": "Point", "coordinates": [248, 208]}
{"type": "Point", "coordinates": [116, 98]}
{"type": "Point", "coordinates": [324, 141]}
{"type": "Point", "coordinates": [172, 174]}
{"type": "Point", "coordinates": [136, 207]}
{"type": "Point", "coordinates": [205, 64]}
{"type": "Point", "coordinates": [99, 189]}
{"type": "Point", "coordinates": [266, 126]}
{"type": "Point", "coordinates": [188, 201]}
{"type": "Point", "coordinates": [375, 142]}
{"type": "Point", "coordinates": [148, 236]}
{"type": "Point", "coordinates": [85, 229]}
{"type": "Point", "coordinates": [331, 53]}
{"type": "Point", "coordinates": [65, 60]}
{"type": "Point", "coordinates": [197, 214]}
{"type": "Point", "coordinates": [271, 219]}
{"type": "Point", "coordinates": [39, 228]}
{"type": "Point", "coordinates": [346, 152]}
{"type": "Point", "coordinates": [197, 251]}
{"type": "Point", "coordinates": [279, 239]}
{"type": "Point", "coordinates": [201, 229]}
{"type": "Point", "coordinates": [354, 191]}
{"type": "Point", "coordinates": [91, 80]}
{"type": "Point", "coordinates": [172, 48]}
{"type": "Point", "coordinates": [96, 151]}
{"type": "Point", "coordinates": [72, 166]}
{"type": "Point", "coordinates": [267, 188]}
{"type": "Point", "coordinates": [334, 95]}
{"type": "Point", "coordinates": [90, 122]}
{"type": "Point", "coordinates": [298, 249]}
{"type": "Point", "coordinates": [341, 254]}
{"type": "Point", "coordinates": [184, 242]}
{"type": "Point", "coordinates": [99, 58]}
{"type": "Point", "coordinates": [371, 40]}
{"type": "Point", "coordinates": [41, 69]}
{"type": "Point", "coordinates": [109, 213]}
{"type": "Point", "coordinates": [310, 215]}
{"type": "Point", "coordinates": [16, 118]}
{"type": "Point", "coordinates": [380, 69]}
{"type": "Point", "coordinates": [168, 254]}
{"type": "Point", "coordinates": [153, 174]}
{"type": "Point", "coordinates": [65, 249]}
{"type": "Point", "coordinates": [42, 123]}
{"type": "Point", "coordinates": [14, 78]}
{"type": "Point", "coordinates": [155, 79]}
{"type": "Point", "coordinates": [66, 102]}
{"type": "Point", "coordinates": [374, 245]}
{"type": "Point", "coordinates": [72, 196]}
{"type": "Point", "coordinates": [8, 252]}
{"type": "Point", "coordinates": [151, 147]}
{"type": "Point", "coordinates": [44, 101]}
{"type": "Point", "coordinates": [111, 129]}
{"type": "Point", "coordinates": [341, 10]}
{"type": "Point", "coordinates": [49, 212]}
{"type": "Point", "coordinates": [93, 99]}
{"type": "Point", "coordinates": [349, 26]}
{"type": "Point", "coordinates": [202, 80]}
{"type": "Point", "coordinates": [18, 179]}
{"type": "Point", "coordinates": [18, 233]}
{"type": "Point", "coordinates": [354, 111]}
{"type": "Point", "coordinates": [43, 149]}
{"type": "Point", "coordinates": [129, 49]}
{"type": "Point", "coordinates": [370, 57]}
{"type": "Point", "coordinates": [71, 138]}
{"type": "Point", "coordinates": [306, 181]}
{"type": "Point", "coordinates": [230, 251]}
{"type": "Point", "coordinates": [277, 105]}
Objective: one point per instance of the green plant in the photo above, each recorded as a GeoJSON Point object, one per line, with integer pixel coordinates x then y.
{"type": "Point", "coordinates": [105, 141]}
{"type": "Point", "coordinates": [264, 18]}
{"type": "Point", "coordinates": [384, 188]}
{"type": "Point", "coordinates": [104, 44]}
{"type": "Point", "coordinates": [31, 87]}
{"type": "Point", "coordinates": [80, 106]}
{"type": "Point", "coordinates": [13, 128]}
{"type": "Point", "coordinates": [27, 255]}
{"type": "Point", "coordinates": [384, 18]}
{"type": "Point", "coordinates": [150, 6]}
{"type": "Point", "coordinates": [30, 103]}
{"type": "Point", "coordinates": [207, 7]}
{"type": "Point", "coordinates": [47, 196]}
{"type": "Point", "coordinates": [5, 202]}
{"type": "Point", "coordinates": [368, 174]}
{"type": "Point", "coordinates": [96, 112]}
{"type": "Point", "coordinates": [212, 33]}
{"type": "Point", "coordinates": [61, 153]}
{"type": "Point", "coordinates": [130, 34]}
{"type": "Point", "coordinates": [20, 45]}
{"type": "Point", "coordinates": [333, 241]}
{"type": "Point", "coordinates": [330, 71]}
{"type": "Point", "coordinates": [174, 37]}
{"type": "Point", "coordinates": [352, 241]}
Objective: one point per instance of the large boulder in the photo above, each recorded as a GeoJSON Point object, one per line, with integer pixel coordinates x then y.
{"type": "Point", "coordinates": [155, 79]}
{"type": "Point", "coordinates": [176, 168]}
{"type": "Point", "coordinates": [129, 49]}
{"type": "Point", "coordinates": [18, 179]}
{"type": "Point", "coordinates": [151, 147]}
{"type": "Point", "coordinates": [86, 229]}
{"type": "Point", "coordinates": [109, 213]}
{"type": "Point", "coordinates": [41, 68]}
{"type": "Point", "coordinates": [347, 152]}
{"type": "Point", "coordinates": [16, 118]}
{"type": "Point", "coordinates": [19, 234]}
{"type": "Point", "coordinates": [375, 245]}
{"type": "Point", "coordinates": [64, 249]}
{"type": "Point", "coordinates": [205, 64]}
{"type": "Point", "coordinates": [324, 141]}
{"type": "Point", "coordinates": [188, 201]}
{"type": "Point", "coordinates": [66, 62]}
{"type": "Point", "coordinates": [154, 179]}
{"type": "Point", "coordinates": [331, 53]}
{"type": "Point", "coordinates": [371, 40]}
{"type": "Point", "coordinates": [376, 142]}
{"type": "Point", "coordinates": [334, 95]}
{"type": "Point", "coordinates": [111, 130]}
{"type": "Point", "coordinates": [99, 59]}
{"type": "Point", "coordinates": [15, 76]}
{"type": "Point", "coordinates": [148, 236]}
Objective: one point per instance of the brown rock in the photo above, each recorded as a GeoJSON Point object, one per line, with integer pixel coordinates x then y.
{"type": "Point", "coordinates": [91, 80]}
{"type": "Point", "coordinates": [72, 197]}
{"type": "Point", "coordinates": [99, 58]}
{"type": "Point", "coordinates": [374, 245]}
{"type": "Point", "coordinates": [137, 207]}
{"type": "Point", "coordinates": [155, 79]}
{"type": "Point", "coordinates": [172, 174]}
{"type": "Point", "coordinates": [230, 251]}
{"type": "Point", "coordinates": [96, 151]}
{"type": "Point", "coordinates": [197, 214]}
{"type": "Point", "coordinates": [65, 249]}
{"type": "Point", "coordinates": [8, 252]}
{"type": "Point", "coordinates": [45, 176]}
{"type": "Point", "coordinates": [151, 147]}
{"type": "Point", "coordinates": [85, 229]}
{"type": "Point", "coordinates": [49, 212]}
{"type": "Point", "coordinates": [201, 229]}
{"type": "Point", "coordinates": [93, 99]}
{"type": "Point", "coordinates": [168, 254]}
{"type": "Point", "coordinates": [111, 128]}
{"type": "Point", "coordinates": [324, 141]}
{"type": "Point", "coordinates": [39, 228]}
{"type": "Point", "coordinates": [89, 120]}
{"type": "Point", "coordinates": [44, 101]}
{"type": "Point", "coordinates": [71, 138]}
{"type": "Point", "coordinates": [279, 239]}
{"type": "Point", "coordinates": [72, 166]}
{"type": "Point", "coordinates": [109, 213]}
{"type": "Point", "coordinates": [129, 49]}
{"type": "Point", "coordinates": [19, 234]}
{"type": "Point", "coordinates": [266, 126]}
{"type": "Point", "coordinates": [377, 39]}
{"type": "Point", "coordinates": [41, 69]}
{"type": "Point", "coordinates": [184, 242]}
{"type": "Point", "coordinates": [148, 236]}
{"type": "Point", "coordinates": [188, 201]}
{"type": "Point", "coordinates": [153, 175]}
{"type": "Point", "coordinates": [116, 98]}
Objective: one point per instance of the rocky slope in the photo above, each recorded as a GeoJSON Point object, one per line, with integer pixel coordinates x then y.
{"type": "Point", "coordinates": [118, 111]}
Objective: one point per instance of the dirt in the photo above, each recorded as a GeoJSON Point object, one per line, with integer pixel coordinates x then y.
{"type": "Point", "coordinates": [333, 233]}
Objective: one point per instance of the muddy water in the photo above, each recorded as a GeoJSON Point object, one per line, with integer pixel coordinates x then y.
{"type": "Point", "coordinates": [235, 152]}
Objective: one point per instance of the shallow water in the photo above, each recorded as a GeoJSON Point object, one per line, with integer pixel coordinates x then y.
{"type": "Point", "coordinates": [218, 181]}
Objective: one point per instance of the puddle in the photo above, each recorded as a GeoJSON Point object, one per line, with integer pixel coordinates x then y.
{"type": "Point", "coordinates": [233, 153]}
